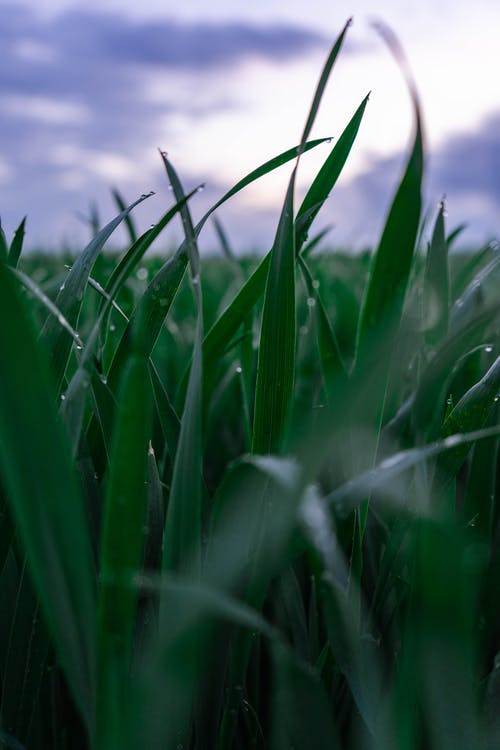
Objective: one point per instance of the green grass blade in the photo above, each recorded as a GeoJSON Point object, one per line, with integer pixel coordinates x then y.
{"type": "Point", "coordinates": [129, 223]}
{"type": "Point", "coordinates": [70, 297]}
{"type": "Point", "coordinates": [436, 298]}
{"type": "Point", "coordinates": [276, 362]}
{"type": "Point", "coordinates": [45, 502]}
{"type": "Point", "coordinates": [429, 400]}
{"type": "Point", "coordinates": [4, 247]}
{"type": "Point", "coordinates": [470, 413]}
{"type": "Point", "coordinates": [320, 88]}
{"type": "Point", "coordinates": [16, 246]}
{"type": "Point", "coordinates": [349, 495]}
{"type": "Point", "coordinates": [327, 177]}
{"type": "Point", "coordinates": [122, 545]}
{"type": "Point", "coordinates": [382, 304]}
{"type": "Point", "coordinates": [183, 520]}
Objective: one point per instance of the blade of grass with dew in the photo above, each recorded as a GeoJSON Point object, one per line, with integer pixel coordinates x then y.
{"type": "Point", "coordinates": [70, 297]}
{"type": "Point", "coordinates": [429, 398]}
{"type": "Point", "coordinates": [32, 287]}
{"type": "Point", "coordinates": [183, 519]}
{"type": "Point", "coordinates": [46, 505]}
{"type": "Point", "coordinates": [436, 293]}
{"type": "Point", "coordinates": [474, 298]}
{"type": "Point", "coordinates": [470, 414]}
{"type": "Point", "coordinates": [129, 223]}
{"type": "Point", "coordinates": [16, 246]}
{"type": "Point", "coordinates": [76, 392]}
{"type": "Point", "coordinates": [122, 546]}
{"type": "Point", "coordinates": [463, 276]}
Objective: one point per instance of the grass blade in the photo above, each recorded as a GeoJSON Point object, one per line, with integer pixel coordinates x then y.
{"type": "Point", "coordinates": [436, 297]}
{"type": "Point", "coordinates": [70, 296]}
{"type": "Point", "coordinates": [46, 505]}
{"type": "Point", "coordinates": [16, 246]}
{"type": "Point", "coordinates": [276, 362]}
{"type": "Point", "coordinates": [122, 545]}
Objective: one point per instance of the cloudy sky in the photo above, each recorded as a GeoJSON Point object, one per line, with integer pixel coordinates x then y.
{"type": "Point", "coordinates": [89, 89]}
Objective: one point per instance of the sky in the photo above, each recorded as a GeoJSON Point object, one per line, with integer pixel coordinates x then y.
{"type": "Point", "coordinates": [90, 89]}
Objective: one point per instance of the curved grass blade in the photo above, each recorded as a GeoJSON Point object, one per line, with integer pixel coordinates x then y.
{"type": "Point", "coordinates": [122, 545]}
{"type": "Point", "coordinates": [436, 298]}
{"type": "Point", "coordinates": [70, 297]}
{"type": "Point", "coordinates": [470, 413]}
{"type": "Point", "coordinates": [16, 246]}
{"type": "Point", "coordinates": [46, 504]}
{"type": "Point", "coordinates": [122, 206]}
{"type": "Point", "coordinates": [474, 298]}
{"type": "Point", "coordinates": [47, 302]}
{"type": "Point", "coordinates": [382, 304]}
{"type": "Point", "coordinates": [350, 494]}
{"type": "Point", "coordinates": [327, 177]}
{"type": "Point", "coordinates": [428, 403]}
{"type": "Point", "coordinates": [320, 88]}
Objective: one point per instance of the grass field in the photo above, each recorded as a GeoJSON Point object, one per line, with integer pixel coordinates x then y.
{"type": "Point", "coordinates": [252, 503]}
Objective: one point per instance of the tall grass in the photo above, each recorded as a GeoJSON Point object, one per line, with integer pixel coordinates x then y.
{"type": "Point", "coordinates": [253, 506]}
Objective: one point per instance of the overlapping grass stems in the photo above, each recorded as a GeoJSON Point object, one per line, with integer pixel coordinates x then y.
{"type": "Point", "coordinates": [237, 523]}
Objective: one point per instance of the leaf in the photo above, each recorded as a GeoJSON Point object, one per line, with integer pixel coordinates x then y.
{"type": "Point", "coordinates": [16, 246]}
{"type": "Point", "coordinates": [276, 362]}
{"type": "Point", "coordinates": [327, 177]}
{"type": "Point", "coordinates": [70, 296]}
{"type": "Point", "coordinates": [436, 298]}
{"type": "Point", "coordinates": [122, 543]}
{"type": "Point", "coordinates": [45, 502]}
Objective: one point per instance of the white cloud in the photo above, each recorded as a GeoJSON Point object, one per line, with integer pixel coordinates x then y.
{"type": "Point", "coordinates": [45, 109]}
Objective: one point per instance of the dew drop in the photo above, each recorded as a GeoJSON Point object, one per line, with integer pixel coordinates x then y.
{"type": "Point", "coordinates": [63, 397]}
{"type": "Point", "coordinates": [311, 301]}
{"type": "Point", "coordinates": [488, 349]}
{"type": "Point", "coordinates": [196, 279]}
{"type": "Point", "coordinates": [112, 327]}
{"type": "Point", "coordinates": [61, 288]}
{"type": "Point", "coordinates": [103, 379]}
{"type": "Point", "coordinates": [303, 330]}
{"type": "Point", "coordinates": [315, 284]}
{"type": "Point", "coordinates": [239, 370]}
{"type": "Point", "coordinates": [142, 273]}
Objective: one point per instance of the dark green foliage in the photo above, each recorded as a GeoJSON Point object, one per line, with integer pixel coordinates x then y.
{"type": "Point", "coordinates": [281, 533]}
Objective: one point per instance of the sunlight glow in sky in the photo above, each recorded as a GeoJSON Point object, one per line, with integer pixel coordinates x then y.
{"type": "Point", "coordinates": [90, 89]}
